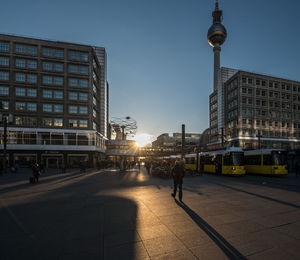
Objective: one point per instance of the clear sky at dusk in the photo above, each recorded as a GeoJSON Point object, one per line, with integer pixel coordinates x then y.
{"type": "Point", "coordinates": [160, 66]}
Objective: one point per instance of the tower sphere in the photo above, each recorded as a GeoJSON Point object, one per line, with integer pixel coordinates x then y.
{"type": "Point", "coordinates": [216, 34]}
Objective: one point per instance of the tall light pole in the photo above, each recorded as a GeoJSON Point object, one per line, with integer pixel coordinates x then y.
{"type": "Point", "coordinates": [5, 121]}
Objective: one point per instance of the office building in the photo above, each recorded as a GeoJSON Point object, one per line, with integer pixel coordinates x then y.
{"type": "Point", "coordinates": [57, 94]}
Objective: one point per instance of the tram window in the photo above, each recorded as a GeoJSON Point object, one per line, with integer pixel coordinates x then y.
{"type": "Point", "coordinates": [253, 160]}
{"type": "Point", "coordinates": [227, 159]}
{"type": "Point", "coordinates": [267, 159]}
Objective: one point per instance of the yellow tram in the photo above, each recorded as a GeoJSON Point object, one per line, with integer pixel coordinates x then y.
{"type": "Point", "coordinates": [266, 161]}
{"type": "Point", "coordinates": [227, 162]}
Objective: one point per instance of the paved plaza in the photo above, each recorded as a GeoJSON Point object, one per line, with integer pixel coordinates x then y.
{"type": "Point", "coordinates": [114, 215]}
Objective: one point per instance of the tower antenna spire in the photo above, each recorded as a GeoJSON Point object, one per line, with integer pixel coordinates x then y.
{"type": "Point", "coordinates": [217, 5]}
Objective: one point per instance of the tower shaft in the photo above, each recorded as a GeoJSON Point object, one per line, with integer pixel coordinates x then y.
{"type": "Point", "coordinates": [217, 50]}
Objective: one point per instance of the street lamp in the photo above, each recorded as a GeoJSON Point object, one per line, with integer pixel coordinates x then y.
{"type": "Point", "coordinates": [5, 119]}
{"type": "Point", "coordinates": [259, 135]}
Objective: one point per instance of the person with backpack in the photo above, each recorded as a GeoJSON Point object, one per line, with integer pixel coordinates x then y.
{"type": "Point", "coordinates": [178, 173]}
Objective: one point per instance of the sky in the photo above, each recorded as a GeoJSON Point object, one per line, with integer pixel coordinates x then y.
{"type": "Point", "coordinates": [160, 66]}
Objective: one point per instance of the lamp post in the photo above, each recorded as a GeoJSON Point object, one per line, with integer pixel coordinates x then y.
{"type": "Point", "coordinates": [5, 120]}
{"type": "Point", "coordinates": [259, 135]}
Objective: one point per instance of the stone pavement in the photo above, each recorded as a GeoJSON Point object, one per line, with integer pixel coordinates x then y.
{"type": "Point", "coordinates": [113, 215]}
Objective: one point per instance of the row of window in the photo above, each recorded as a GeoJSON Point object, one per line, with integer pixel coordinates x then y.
{"type": "Point", "coordinates": [49, 122]}
{"type": "Point", "coordinates": [55, 94]}
{"type": "Point", "coordinates": [274, 85]}
{"type": "Point", "coordinates": [46, 51]}
{"type": "Point", "coordinates": [47, 66]}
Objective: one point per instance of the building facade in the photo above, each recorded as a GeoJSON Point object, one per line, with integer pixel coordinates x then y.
{"type": "Point", "coordinates": [261, 111]}
{"type": "Point", "coordinates": [167, 141]}
{"type": "Point", "coordinates": [57, 94]}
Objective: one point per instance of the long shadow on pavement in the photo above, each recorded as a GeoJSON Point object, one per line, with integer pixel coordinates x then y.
{"type": "Point", "coordinates": [71, 222]}
{"type": "Point", "coordinates": [258, 195]}
{"type": "Point", "coordinates": [220, 241]}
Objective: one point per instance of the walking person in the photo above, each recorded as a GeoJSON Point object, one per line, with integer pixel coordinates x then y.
{"type": "Point", "coordinates": [148, 166]}
{"type": "Point", "coordinates": [178, 173]}
{"type": "Point", "coordinates": [36, 172]}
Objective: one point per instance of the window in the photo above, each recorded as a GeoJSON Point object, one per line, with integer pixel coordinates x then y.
{"type": "Point", "coordinates": [20, 63]}
{"type": "Point", "coordinates": [31, 50]}
{"type": "Point", "coordinates": [95, 128]}
{"type": "Point", "coordinates": [58, 94]}
{"type": "Point", "coordinates": [47, 66]}
{"type": "Point", "coordinates": [47, 80]}
{"type": "Point", "coordinates": [58, 53]}
{"type": "Point", "coordinates": [73, 109]}
{"type": "Point", "coordinates": [20, 106]}
{"type": "Point", "coordinates": [73, 95]}
{"type": "Point", "coordinates": [73, 123]}
{"type": "Point", "coordinates": [31, 92]}
{"type": "Point", "coordinates": [94, 101]}
{"type": "Point", "coordinates": [244, 121]}
{"type": "Point", "coordinates": [58, 108]}
{"type": "Point", "coordinates": [5, 105]}
{"type": "Point", "coordinates": [249, 81]}
{"type": "Point", "coordinates": [73, 69]}
{"type": "Point", "coordinates": [4, 91]}
{"type": "Point", "coordinates": [31, 78]}
{"type": "Point", "coordinates": [249, 101]}
{"type": "Point", "coordinates": [20, 48]}
{"type": "Point", "coordinates": [47, 107]}
{"type": "Point", "coordinates": [263, 93]}
{"type": "Point", "coordinates": [83, 56]}
{"type": "Point", "coordinates": [75, 55]}
{"type": "Point", "coordinates": [4, 46]}
{"type": "Point", "coordinates": [49, 52]}
{"type": "Point", "coordinates": [83, 110]}
{"type": "Point", "coordinates": [84, 70]}
{"type": "Point", "coordinates": [258, 82]}
{"type": "Point", "coordinates": [20, 92]}
{"type": "Point", "coordinates": [58, 67]}
{"type": "Point", "coordinates": [94, 89]}
{"type": "Point", "coordinates": [83, 123]}
{"type": "Point", "coordinates": [58, 81]}
{"type": "Point", "coordinates": [4, 61]}
{"type": "Point", "coordinates": [47, 93]}
{"type": "Point", "coordinates": [31, 107]}
{"type": "Point", "coordinates": [249, 90]}
{"type": "Point", "coordinates": [20, 77]}
{"type": "Point", "coordinates": [4, 75]}
{"type": "Point", "coordinates": [83, 96]}
{"type": "Point", "coordinates": [244, 100]}
{"type": "Point", "coordinates": [263, 83]}
{"type": "Point", "coordinates": [58, 122]}
{"type": "Point", "coordinates": [257, 102]}
{"type": "Point", "coordinates": [94, 113]}
{"type": "Point", "coordinates": [31, 64]}
{"type": "Point", "coordinates": [73, 82]}
{"type": "Point", "coordinates": [47, 122]}
{"type": "Point", "coordinates": [244, 80]}
{"type": "Point", "coordinates": [83, 83]}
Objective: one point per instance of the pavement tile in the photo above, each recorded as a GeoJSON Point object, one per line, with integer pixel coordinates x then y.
{"type": "Point", "coordinates": [120, 238]}
{"type": "Point", "coordinates": [183, 254]}
{"type": "Point", "coordinates": [209, 251]}
{"type": "Point", "coordinates": [148, 232]}
{"type": "Point", "coordinates": [127, 251]}
{"type": "Point", "coordinates": [162, 245]}
{"type": "Point", "coordinates": [274, 254]}
{"type": "Point", "coordinates": [291, 230]}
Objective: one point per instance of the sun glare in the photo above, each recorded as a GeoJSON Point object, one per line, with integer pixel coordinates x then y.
{"type": "Point", "coordinates": [143, 139]}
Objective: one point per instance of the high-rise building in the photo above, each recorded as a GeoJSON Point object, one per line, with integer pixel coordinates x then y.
{"type": "Point", "coordinates": [57, 94]}
{"type": "Point", "coordinates": [261, 111]}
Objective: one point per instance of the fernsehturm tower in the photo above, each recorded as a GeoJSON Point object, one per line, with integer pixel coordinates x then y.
{"type": "Point", "coordinates": [216, 36]}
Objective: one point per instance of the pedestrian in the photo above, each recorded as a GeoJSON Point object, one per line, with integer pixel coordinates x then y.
{"type": "Point", "coordinates": [297, 168]}
{"type": "Point", "coordinates": [36, 172]}
{"type": "Point", "coordinates": [17, 167]}
{"type": "Point", "coordinates": [178, 173]}
{"type": "Point", "coordinates": [148, 166]}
